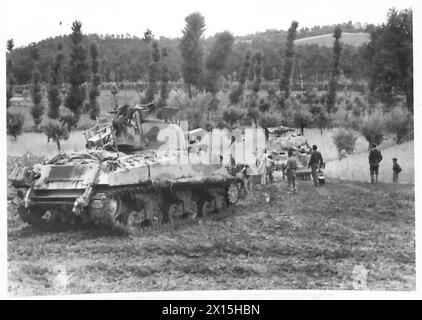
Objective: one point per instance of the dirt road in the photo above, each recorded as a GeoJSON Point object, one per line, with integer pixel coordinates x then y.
{"type": "Point", "coordinates": [343, 235]}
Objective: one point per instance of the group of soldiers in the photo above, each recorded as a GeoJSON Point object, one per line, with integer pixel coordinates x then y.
{"type": "Point", "coordinates": [261, 172]}
{"type": "Point", "coordinates": [375, 157]}
{"type": "Point", "coordinates": [315, 162]}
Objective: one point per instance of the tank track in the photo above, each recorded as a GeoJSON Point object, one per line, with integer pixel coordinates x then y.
{"type": "Point", "coordinates": [135, 209]}
{"type": "Point", "coordinates": [141, 209]}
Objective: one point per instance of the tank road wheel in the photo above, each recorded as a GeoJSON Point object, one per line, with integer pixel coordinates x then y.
{"type": "Point", "coordinates": [157, 218]}
{"type": "Point", "coordinates": [208, 207]}
{"type": "Point", "coordinates": [192, 211]}
{"type": "Point", "coordinates": [232, 193]}
{"type": "Point", "coordinates": [114, 206]}
{"type": "Point", "coordinates": [135, 221]}
{"type": "Point", "coordinates": [32, 216]}
{"type": "Point", "coordinates": [175, 212]}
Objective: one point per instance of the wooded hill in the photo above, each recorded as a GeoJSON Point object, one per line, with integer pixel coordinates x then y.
{"type": "Point", "coordinates": [125, 57]}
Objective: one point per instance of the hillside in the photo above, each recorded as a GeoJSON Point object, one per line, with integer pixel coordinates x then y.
{"type": "Point", "coordinates": [351, 39]}
{"type": "Point", "coordinates": [124, 58]}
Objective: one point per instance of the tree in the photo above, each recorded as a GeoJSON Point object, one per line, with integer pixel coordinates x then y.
{"type": "Point", "coordinates": [37, 109]}
{"type": "Point", "coordinates": [57, 131]}
{"type": "Point", "coordinates": [56, 78]}
{"type": "Point", "coordinates": [191, 50]}
{"type": "Point", "coordinates": [114, 90]}
{"type": "Point", "coordinates": [390, 58]}
{"type": "Point", "coordinates": [253, 114]}
{"type": "Point", "coordinates": [148, 36]}
{"type": "Point", "coordinates": [302, 118]}
{"type": "Point", "coordinates": [237, 91]}
{"type": "Point", "coordinates": [232, 115]}
{"type": "Point", "coordinates": [94, 91]}
{"type": "Point", "coordinates": [344, 140]}
{"type": "Point", "coordinates": [372, 127]}
{"type": "Point", "coordinates": [10, 45]}
{"type": "Point", "coordinates": [34, 51]}
{"type": "Point", "coordinates": [320, 116]}
{"type": "Point", "coordinates": [216, 62]}
{"type": "Point", "coordinates": [356, 111]}
{"type": "Point", "coordinates": [217, 59]}
{"type": "Point", "coordinates": [77, 72]}
{"type": "Point", "coordinates": [264, 105]}
{"type": "Point", "coordinates": [332, 85]}
{"type": "Point", "coordinates": [397, 122]}
{"type": "Point", "coordinates": [153, 73]}
{"type": "Point", "coordinates": [165, 78]}
{"type": "Point", "coordinates": [257, 63]}
{"type": "Point", "coordinates": [10, 80]}
{"type": "Point", "coordinates": [288, 59]}
{"type": "Point", "coordinates": [251, 104]}
{"type": "Point", "coordinates": [14, 124]}
{"type": "Point", "coordinates": [267, 120]}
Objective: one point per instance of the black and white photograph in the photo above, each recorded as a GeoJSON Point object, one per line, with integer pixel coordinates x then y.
{"type": "Point", "coordinates": [212, 148]}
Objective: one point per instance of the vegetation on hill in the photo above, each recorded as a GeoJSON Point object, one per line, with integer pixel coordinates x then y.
{"type": "Point", "coordinates": [303, 86]}
{"type": "Point", "coordinates": [124, 57]}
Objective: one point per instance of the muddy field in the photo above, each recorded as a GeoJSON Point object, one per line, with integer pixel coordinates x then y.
{"type": "Point", "coordinates": [343, 235]}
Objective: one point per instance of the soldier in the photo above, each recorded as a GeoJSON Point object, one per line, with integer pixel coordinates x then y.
{"type": "Point", "coordinates": [291, 167]}
{"type": "Point", "coordinates": [396, 170]}
{"type": "Point", "coordinates": [375, 158]}
{"type": "Point", "coordinates": [314, 163]}
{"type": "Point", "coordinates": [266, 168]}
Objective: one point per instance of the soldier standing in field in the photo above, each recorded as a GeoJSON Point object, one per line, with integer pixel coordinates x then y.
{"type": "Point", "coordinates": [375, 158]}
{"type": "Point", "coordinates": [291, 167]}
{"type": "Point", "coordinates": [396, 170]}
{"type": "Point", "coordinates": [314, 163]}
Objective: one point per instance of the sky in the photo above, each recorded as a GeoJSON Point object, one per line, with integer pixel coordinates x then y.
{"type": "Point", "coordinates": [30, 21]}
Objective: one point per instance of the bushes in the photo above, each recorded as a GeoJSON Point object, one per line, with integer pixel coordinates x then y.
{"type": "Point", "coordinates": [344, 140]}
{"type": "Point", "coordinates": [302, 118]}
{"type": "Point", "coordinates": [397, 122]}
{"type": "Point", "coordinates": [235, 94]}
{"type": "Point", "coordinates": [56, 131]}
{"type": "Point", "coordinates": [232, 115]}
{"type": "Point", "coordinates": [14, 124]}
{"type": "Point", "coordinates": [178, 99]}
{"type": "Point", "coordinates": [194, 109]}
{"type": "Point", "coordinates": [356, 111]}
{"type": "Point", "coordinates": [320, 117]}
{"type": "Point", "coordinates": [269, 120]}
{"type": "Point", "coordinates": [373, 127]}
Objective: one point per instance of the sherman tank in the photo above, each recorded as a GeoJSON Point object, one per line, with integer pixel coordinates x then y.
{"type": "Point", "coordinates": [134, 174]}
{"type": "Point", "coordinates": [283, 139]}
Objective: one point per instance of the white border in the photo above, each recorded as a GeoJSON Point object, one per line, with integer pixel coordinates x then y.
{"type": "Point", "coordinates": [228, 294]}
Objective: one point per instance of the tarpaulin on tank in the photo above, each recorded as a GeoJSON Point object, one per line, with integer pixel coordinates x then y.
{"type": "Point", "coordinates": [81, 157]}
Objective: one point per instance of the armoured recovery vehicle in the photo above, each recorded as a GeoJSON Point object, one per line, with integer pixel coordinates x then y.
{"type": "Point", "coordinates": [129, 177]}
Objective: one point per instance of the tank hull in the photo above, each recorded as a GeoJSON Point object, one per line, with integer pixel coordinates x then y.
{"type": "Point", "coordinates": [126, 192]}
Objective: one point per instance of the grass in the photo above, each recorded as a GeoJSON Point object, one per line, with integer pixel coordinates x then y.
{"type": "Point", "coordinates": [326, 145]}
{"type": "Point", "coordinates": [36, 143]}
{"type": "Point", "coordinates": [316, 239]}
{"type": "Point", "coordinates": [356, 167]}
